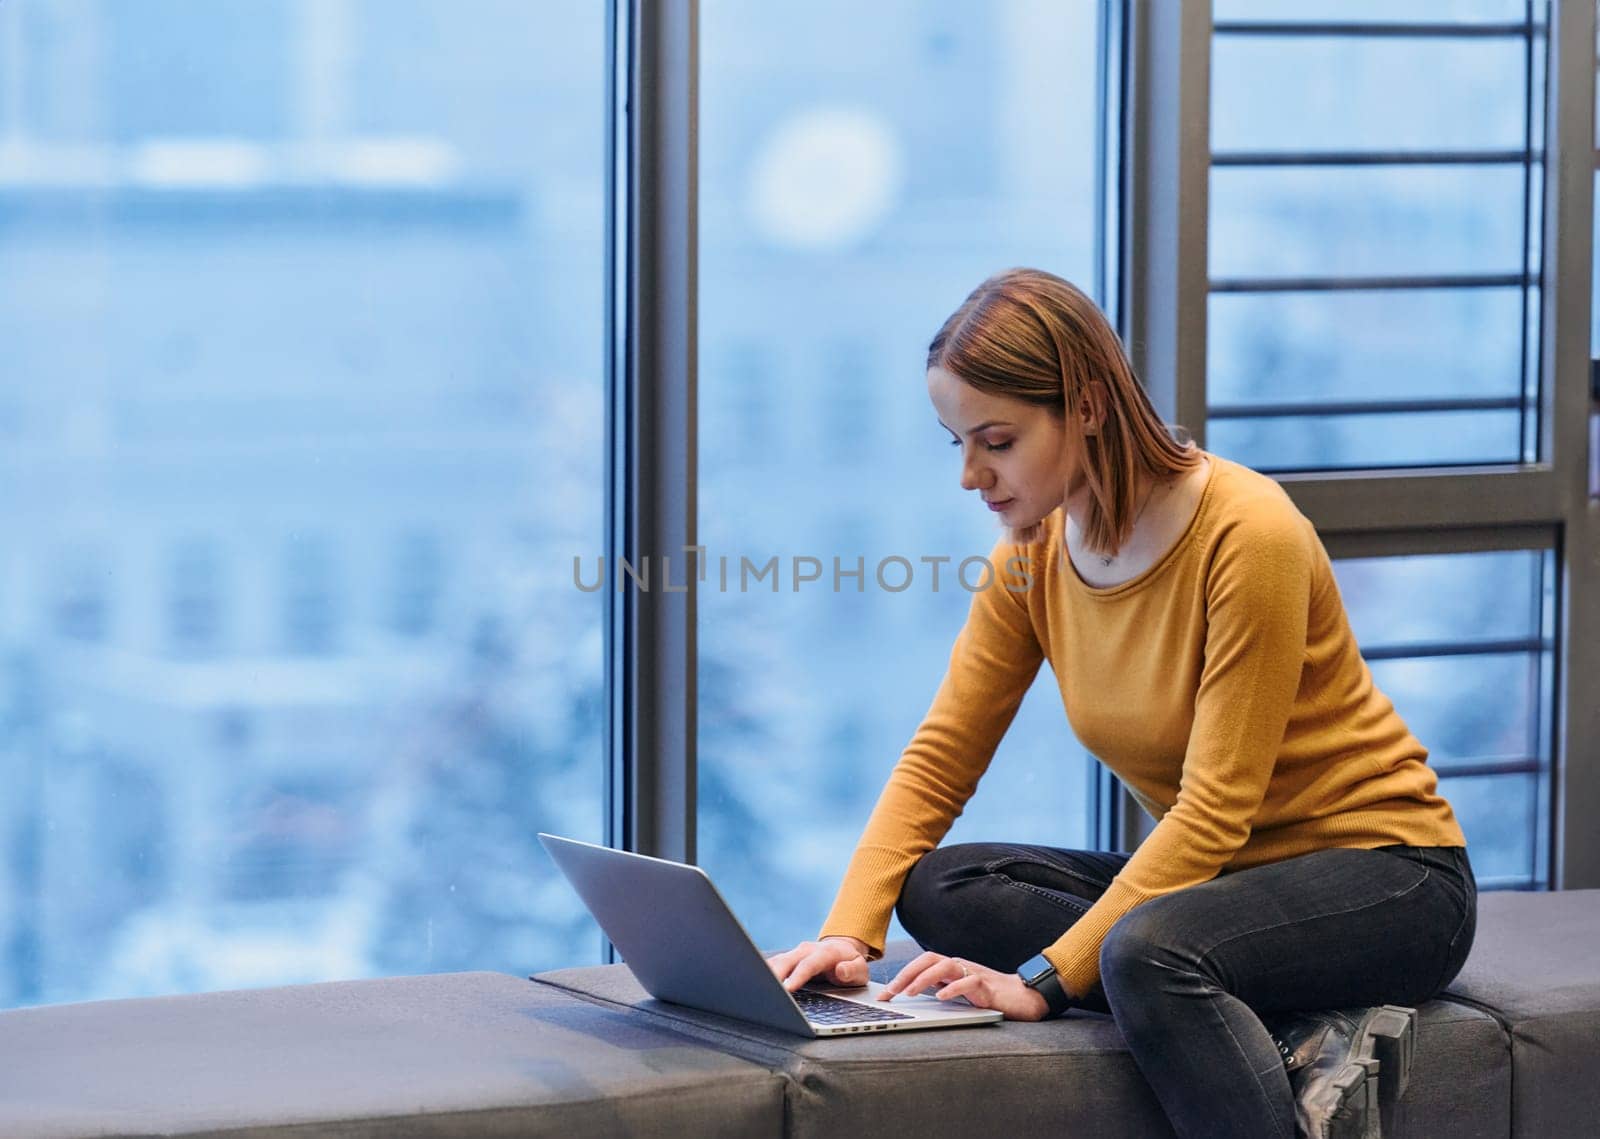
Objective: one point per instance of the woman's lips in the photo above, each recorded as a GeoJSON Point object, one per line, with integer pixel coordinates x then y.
{"type": "Point", "coordinates": [998, 506]}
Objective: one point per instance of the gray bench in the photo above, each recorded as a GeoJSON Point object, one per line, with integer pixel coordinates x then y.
{"type": "Point", "coordinates": [462, 1054]}
{"type": "Point", "coordinates": [1535, 968]}
{"type": "Point", "coordinates": [1513, 1049]}
{"type": "Point", "coordinates": [1071, 1076]}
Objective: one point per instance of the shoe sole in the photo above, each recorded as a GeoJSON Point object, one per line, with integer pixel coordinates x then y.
{"type": "Point", "coordinates": [1355, 1114]}
{"type": "Point", "coordinates": [1367, 1088]}
{"type": "Point", "coordinates": [1392, 1038]}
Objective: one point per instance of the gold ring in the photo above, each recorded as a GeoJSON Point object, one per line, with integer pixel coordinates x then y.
{"type": "Point", "coordinates": [963, 965]}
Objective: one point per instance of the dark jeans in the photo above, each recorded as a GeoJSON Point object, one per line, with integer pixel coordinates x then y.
{"type": "Point", "coordinates": [1189, 976]}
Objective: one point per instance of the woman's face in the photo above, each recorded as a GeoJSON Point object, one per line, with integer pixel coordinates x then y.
{"type": "Point", "coordinates": [1013, 453]}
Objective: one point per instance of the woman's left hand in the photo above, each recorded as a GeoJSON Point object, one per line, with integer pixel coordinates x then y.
{"type": "Point", "coordinates": [957, 977]}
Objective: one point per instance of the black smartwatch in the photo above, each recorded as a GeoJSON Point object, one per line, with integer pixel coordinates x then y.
{"type": "Point", "coordinates": [1040, 976]}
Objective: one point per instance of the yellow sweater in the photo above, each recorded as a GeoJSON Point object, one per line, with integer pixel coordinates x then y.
{"type": "Point", "coordinates": [1223, 686]}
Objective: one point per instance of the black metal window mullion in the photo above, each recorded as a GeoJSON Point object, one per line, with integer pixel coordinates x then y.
{"type": "Point", "coordinates": [1363, 407]}
{"type": "Point", "coordinates": [1527, 229]}
{"type": "Point", "coordinates": [1105, 795]}
{"type": "Point", "coordinates": [1369, 30]}
{"type": "Point", "coordinates": [650, 429]}
{"type": "Point", "coordinates": [1299, 158]}
{"type": "Point", "coordinates": [1488, 768]}
{"type": "Point", "coordinates": [619, 454]}
{"type": "Point", "coordinates": [1541, 736]}
{"type": "Point", "coordinates": [1368, 284]}
{"type": "Point", "coordinates": [1497, 646]}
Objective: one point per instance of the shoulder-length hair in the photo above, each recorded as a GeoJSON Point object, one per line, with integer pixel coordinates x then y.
{"type": "Point", "coordinates": [1030, 335]}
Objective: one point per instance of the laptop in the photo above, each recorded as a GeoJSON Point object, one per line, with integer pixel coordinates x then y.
{"type": "Point", "coordinates": [685, 946]}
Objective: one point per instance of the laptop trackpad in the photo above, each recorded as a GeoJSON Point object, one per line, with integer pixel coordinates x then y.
{"type": "Point", "coordinates": [867, 994]}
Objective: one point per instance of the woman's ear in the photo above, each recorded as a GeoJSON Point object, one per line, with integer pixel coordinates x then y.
{"type": "Point", "coordinates": [1092, 407]}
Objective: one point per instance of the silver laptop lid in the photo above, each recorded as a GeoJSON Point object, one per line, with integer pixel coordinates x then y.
{"type": "Point", "coordinates": [676, 933]}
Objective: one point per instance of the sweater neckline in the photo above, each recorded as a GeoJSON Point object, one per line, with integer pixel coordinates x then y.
{"type": "Point", "coordinates": [1170, 555]}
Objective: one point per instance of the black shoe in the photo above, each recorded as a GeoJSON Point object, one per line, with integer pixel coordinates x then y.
{"type": "Point", "coordinates": [1347, 1067]}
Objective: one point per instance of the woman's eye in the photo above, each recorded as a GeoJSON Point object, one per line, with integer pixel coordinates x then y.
{"type": "Point", "coordinates": [999, 446]}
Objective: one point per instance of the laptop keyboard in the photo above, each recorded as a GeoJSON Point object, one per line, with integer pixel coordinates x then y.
{"type": "Point", "coordinates": [823, 1009]}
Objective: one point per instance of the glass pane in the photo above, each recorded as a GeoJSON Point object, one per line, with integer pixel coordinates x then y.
{"type": "Point", "coordinates": [1389, 11]}
{"type": "Point", "coordinates": [1474, 709]}
{"type": "Point", "coordinates": [1444, 597]}
{"type": "Point", "coordinates": [1331, 442]}
{"type": "Point", "coordinates": [1371, 345]}
{"type": "Point", "coordinates": [1365, 221]}
{"type": "Point", "coordinates": [1293, 351]}
{"type": "Point", "coordinates": [303, 412]}
{"type": "Point", "coordinates": [854, 189]}
{"type": "Point", "coordinates": [1332, 93]}
{"type": "Point", "coordinates": [1467, 708]}
{"type": "Point", "coordinates": [1498, 814]}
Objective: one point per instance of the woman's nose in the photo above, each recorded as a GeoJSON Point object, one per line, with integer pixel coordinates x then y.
{"type": "Point", "coordinates": [972, 478]}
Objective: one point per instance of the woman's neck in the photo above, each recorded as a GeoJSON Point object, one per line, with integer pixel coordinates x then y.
{"type": "Point", "coordinates": [1163, 509]}
{"type": "Point", "coordinates": [1080, 499]}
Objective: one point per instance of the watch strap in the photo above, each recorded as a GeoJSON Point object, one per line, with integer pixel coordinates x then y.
{"type": "Point", "coordinates": [1040, 976]}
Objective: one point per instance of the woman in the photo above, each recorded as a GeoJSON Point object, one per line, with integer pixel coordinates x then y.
{"type": "Point", "coordinates": [1302, 859]}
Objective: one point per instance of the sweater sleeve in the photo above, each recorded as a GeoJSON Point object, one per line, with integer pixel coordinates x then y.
{"type": "Point", "coordinates": [992, 665]}
{"type": "Point", "coordinates": [1257, 598]}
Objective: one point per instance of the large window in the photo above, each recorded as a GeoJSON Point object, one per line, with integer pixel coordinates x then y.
{"type": "Point", "coordinates": [1376, 265]}
{"type": "Point", "coordinates": [308, 311]}
{"type": "Point", "coordinates": [862, 169]}
{"type": "Point", "coordinates": [301, 398]}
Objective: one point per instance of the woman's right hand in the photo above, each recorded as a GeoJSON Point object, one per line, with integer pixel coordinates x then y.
{"type": "Point", "coordinates": [841, 960]}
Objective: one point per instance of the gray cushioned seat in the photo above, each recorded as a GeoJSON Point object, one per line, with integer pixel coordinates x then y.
{"type": "Point", "coordinates": [1071, 1076]}
{"type": "Point", "coordinates": [1535, 967]}
{"type": "Point", "coordinates": [1514, 1049]}
{"type": "Point", "coordinates": [465, 1054]}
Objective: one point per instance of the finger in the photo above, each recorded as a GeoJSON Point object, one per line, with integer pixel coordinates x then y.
{"type": "Point", "coordinates": [972, 986]}
{"type": "Point", "coordinates": [783, 963]}
{"type": "Point", "coordinates": [808, 967]}
{"type": "Point", "coordinates": [941, 972]}
{"type": "Point", "coordinates": [899, 980]}
{"type": "Point", "coordinates": [799, 973]}
{"type": "Point", "coordinates": [930, 978]}
{"type": "Point", "coordinates": [806, 951]}
{"type": "Point", "coordinates": [852, 972]}
{"type": "Point", "coordinates": [913, 967]}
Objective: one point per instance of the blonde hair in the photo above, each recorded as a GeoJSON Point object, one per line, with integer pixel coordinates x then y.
{"type": "Point", "coordinates": [1030, 335]}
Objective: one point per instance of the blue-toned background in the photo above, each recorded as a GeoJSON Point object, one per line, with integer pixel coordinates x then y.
{"type": "Point", "coordinates": [301, 381]}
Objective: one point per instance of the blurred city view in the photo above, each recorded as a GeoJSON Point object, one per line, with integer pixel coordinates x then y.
{"type": "Point", "coordinates": [302, 307]}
